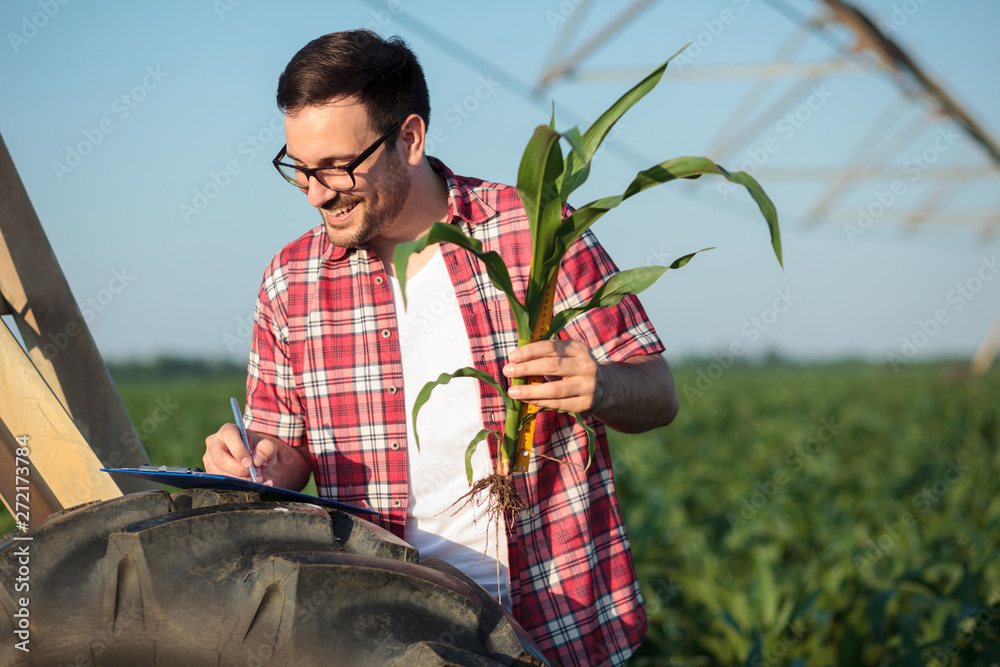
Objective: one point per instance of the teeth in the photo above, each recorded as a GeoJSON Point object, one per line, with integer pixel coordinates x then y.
{"type": "Point", "coordinates": [342, 210]}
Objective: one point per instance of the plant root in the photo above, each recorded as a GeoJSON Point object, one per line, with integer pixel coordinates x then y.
{"type": "Point", "coordinates": [498, 492]}
{"type": "Point", "coordinates": [502, 499]}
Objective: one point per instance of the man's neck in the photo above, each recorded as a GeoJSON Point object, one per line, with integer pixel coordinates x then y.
{"type": "Point", "coordinates": [427, 203]}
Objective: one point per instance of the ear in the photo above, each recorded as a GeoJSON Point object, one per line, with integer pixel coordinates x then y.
{"type": "Point", "coordinates": [410, 142]}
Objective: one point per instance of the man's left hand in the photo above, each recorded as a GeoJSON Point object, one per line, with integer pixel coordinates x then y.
{"type": "Point", "coordinates": [630, 396]}
{"type": "Point", "coordinates": [574, 381]}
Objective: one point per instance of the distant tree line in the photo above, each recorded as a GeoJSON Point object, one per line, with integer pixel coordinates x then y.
{"type": "Point", "coordinates": [166, 368]}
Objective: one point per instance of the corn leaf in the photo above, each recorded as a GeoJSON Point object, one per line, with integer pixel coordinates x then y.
{"type": "Point", "coordinates": [669, 170]}
{"type": "Point", "coordinates": [445, 378]}
{"type": "Point", "coordinates": [631, 281]}
{"type": "Point", "coordinates": [471, 449]}
{"type": "Point", "coordinates": [610, 293]}
{"type": "Point", "coordinates": [591, 436]}
{"type": "Point", "coordinates": [542, 267]}
{"type": "Point", "coordinates": [578, 166]}
{"type": "Point", "coordinates": [541, 166]}
{"type": "Point", "coordinates": [495, 267]}
{"type": "Point", "coordinates": [767, 591]}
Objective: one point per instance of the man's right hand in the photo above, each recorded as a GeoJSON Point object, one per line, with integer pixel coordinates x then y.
{"type": "Point", "coordinates": [277, 463]}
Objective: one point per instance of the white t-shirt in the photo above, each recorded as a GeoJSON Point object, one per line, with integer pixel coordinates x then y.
{"type": "Point", "coordinates": [433, 340]}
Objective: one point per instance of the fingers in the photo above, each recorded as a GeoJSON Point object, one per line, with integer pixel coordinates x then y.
{"type": "Point", "coordinates": [265, 459]}
{"type": "Point", "coordinates": [545, 348]}
{"type": "Point", "coordinates": [568, 395]}
{"type": "Point", "coordinates": [225, 453]}
{"type": "Point", "coordinates": [552, 358]}
{"type": "Point", "coordinates": [571, 371]}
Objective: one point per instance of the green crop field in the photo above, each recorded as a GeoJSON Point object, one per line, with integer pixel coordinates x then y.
{"type": "Point", "coordinates": [817, 515]}
{"type": "Point", "coordinates": [830, 516]}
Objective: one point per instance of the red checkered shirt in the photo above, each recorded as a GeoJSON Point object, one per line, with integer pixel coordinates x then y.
{"type": "Point", "coordinates": [325, 373]}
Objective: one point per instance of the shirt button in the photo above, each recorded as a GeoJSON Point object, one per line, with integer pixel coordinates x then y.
{"type": "Point", "coordinates": [397, 503]}
{"type": "Point", "coordinates": [394, 444]}
{"type": "Point", "coordinates": [378, 280]}
{"type": "Point", "coordinates": [392, 389]}
{"type": "Point", "coordinates": [386, 333]}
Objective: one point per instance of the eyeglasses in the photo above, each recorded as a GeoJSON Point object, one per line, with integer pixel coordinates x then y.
{"type": "Point", "coordinates": [334, 178]}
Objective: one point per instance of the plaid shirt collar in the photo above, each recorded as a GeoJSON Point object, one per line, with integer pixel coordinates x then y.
{"type": "Point", "coordinates": [463, 204]}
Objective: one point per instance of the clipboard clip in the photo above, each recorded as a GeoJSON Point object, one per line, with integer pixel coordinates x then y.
{"type": "Point", "coordinates": [181, 470]}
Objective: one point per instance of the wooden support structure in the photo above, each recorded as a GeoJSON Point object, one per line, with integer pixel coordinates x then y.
{"type": "Point", "coordinates": [59, 394]}
{"type": "Point", "coordinates": [59, 470]}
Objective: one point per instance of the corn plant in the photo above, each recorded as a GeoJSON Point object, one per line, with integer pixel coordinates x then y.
{"type": "Point", "coordinates": [546, 179]}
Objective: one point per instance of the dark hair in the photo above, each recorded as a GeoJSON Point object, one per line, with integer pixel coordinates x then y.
{"type": "Point", "coordinates": [383, 74]}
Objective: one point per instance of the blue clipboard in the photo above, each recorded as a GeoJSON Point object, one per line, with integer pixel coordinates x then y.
{"type": "Point", "coordinates": [194, 478]}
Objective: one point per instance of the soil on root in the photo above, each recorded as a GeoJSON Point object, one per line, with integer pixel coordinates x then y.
{"type": "Point", "coordinates": [499, 494]}
{"type": "Point", "coordinates": [501, 498]}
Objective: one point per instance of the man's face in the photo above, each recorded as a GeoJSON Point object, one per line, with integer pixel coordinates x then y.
{"type": "Point", "coordinates": [332, 135]}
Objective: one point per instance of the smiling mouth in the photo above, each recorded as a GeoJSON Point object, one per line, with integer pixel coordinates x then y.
{"type": "Point", "coordinates": [339, 211]}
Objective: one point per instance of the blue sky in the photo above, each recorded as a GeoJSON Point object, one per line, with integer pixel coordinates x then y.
{"type": "Point", "coordinates": [144, 133]}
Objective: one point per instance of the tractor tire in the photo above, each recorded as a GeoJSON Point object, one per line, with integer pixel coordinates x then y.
{"type": "Point", "coordinates": [205, 577]}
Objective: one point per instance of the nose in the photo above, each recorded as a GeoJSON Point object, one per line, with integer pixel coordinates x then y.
{"type": "Point", "coordinates": [318, 193]}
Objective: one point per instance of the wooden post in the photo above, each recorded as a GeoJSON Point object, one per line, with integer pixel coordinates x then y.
{"type": "Point", "coordinates": [61, 350]}
{"type": "Point", "coordinates": [47, 465]}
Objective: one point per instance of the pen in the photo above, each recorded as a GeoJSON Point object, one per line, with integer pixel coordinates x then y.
{"type": "Point", "coordinates": [243, 434]}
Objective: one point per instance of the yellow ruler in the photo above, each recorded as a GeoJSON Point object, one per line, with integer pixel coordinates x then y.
{"type": "Point", "coordinates": [526, 434]}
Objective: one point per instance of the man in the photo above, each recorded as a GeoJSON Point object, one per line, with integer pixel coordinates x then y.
{"type": "Point", "coordinates": [336, 361]}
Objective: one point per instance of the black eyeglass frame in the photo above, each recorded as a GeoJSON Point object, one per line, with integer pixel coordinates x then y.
{"type": "Point", "coordinates": [348, 168]}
